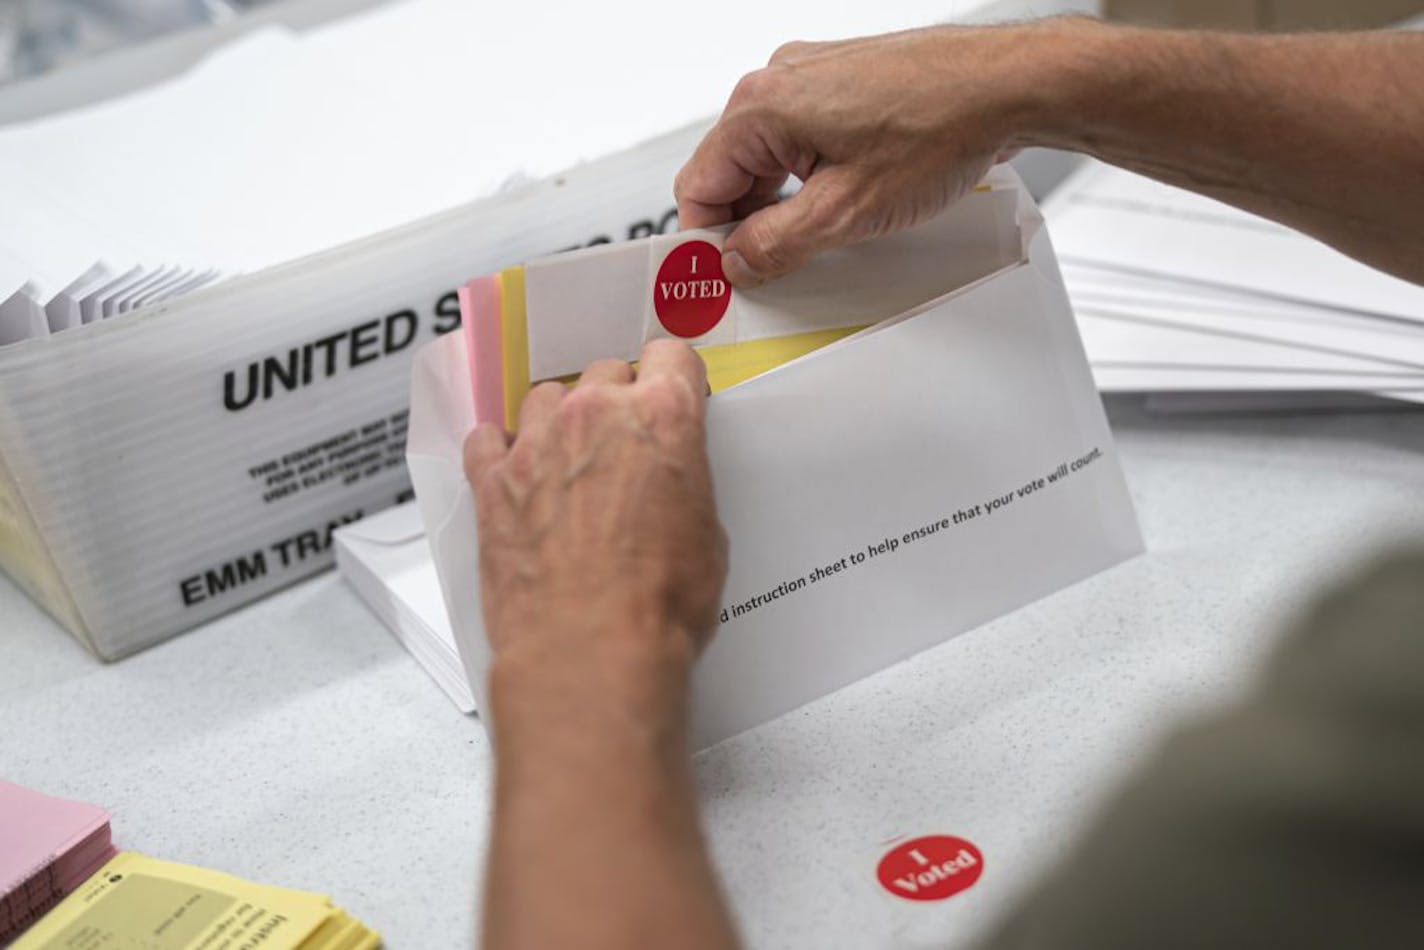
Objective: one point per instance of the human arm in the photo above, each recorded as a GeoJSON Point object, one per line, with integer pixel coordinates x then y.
{"type": "Point", "coordinates": [1292, 817]}
{"type": "Point", "coordinates": [601, 563]}
{"type": "Point", "coordinates": [1321, 132]}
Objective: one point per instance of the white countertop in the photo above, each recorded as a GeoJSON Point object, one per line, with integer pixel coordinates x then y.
{"type": "Point", "coordinates": [294, 742]}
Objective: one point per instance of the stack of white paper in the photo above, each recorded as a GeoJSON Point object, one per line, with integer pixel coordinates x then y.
{"type": "Point", "coordinates": [387, 560]}
{"type": "Point", "coordinates": [1209, 307]}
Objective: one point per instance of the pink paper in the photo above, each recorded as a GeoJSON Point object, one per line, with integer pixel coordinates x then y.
{"type": "Point", "coordinates": [42, 835]}
{"type": "Point", "coordinates": [480, 302]}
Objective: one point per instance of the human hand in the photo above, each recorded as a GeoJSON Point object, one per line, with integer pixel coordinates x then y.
{"type": "Point", "coordinates": [884, 131]}
{"type": "Point", "coordinates": [601, 555]}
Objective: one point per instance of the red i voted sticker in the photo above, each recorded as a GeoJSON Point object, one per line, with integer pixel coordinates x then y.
{"type": "Point", "coordinates": [930, 868]}
{"type": "Point", "coordinates": [691, 294]}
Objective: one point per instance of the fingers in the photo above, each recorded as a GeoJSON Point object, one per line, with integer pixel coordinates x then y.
{"type": "Point", "coordinates": [763, 192]}
{"type": "Point", "coordinates": [782, 236]}
{"type": "Point", "coordinates": [710, 182]}
{"type": "Point", "coordinates": [485, 447]}
{"type": "Point", "coordinates": [736, 158]}
{"type": "Point", "coordinates": [536, 415]}
{"type": "Point", "coordinates": [674, 359]}
{"type": "Point", "coordinates": [615, 372]}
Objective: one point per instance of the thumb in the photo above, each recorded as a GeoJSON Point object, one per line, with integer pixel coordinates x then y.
{"type": "Point", "coordinates": [781, 237]}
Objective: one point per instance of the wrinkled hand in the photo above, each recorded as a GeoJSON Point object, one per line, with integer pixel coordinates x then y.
{"type": "Point", "coordinates": [601, 555]}
{"type": "Point", "coordinates": [884, 131]}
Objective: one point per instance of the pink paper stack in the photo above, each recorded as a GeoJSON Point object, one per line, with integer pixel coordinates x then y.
{"type": "Point", "coordinates": [48, 847]}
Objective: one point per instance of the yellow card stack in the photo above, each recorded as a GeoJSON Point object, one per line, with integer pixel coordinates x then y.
{"type": "Point", "coordinates": [137, 901]}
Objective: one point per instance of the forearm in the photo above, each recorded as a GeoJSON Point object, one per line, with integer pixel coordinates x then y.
{"type": "Point", "coordinates": [1276, 821]}
{"type": "Point", "coordinates": [595, 841]}
{"type": "Point", "coordinates": [1324, 133]}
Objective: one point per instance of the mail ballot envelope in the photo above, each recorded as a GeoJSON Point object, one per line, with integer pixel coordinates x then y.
{"type": "Point", "coordinates": [905, 438]}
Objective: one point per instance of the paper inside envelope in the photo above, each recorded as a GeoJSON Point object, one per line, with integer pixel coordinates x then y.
{"type": "Point", "coordinates": [599, 303]}
{"type": "Point", "coordinates": [881, 494]}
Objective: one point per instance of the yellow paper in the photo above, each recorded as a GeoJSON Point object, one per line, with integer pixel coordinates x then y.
{"type": "Point", "coordinates": [514, 329]}
{"type": "Point", "coordinates": [138, 901]}
{"type": "Point", "coordinates": [734, 363]}
{"type": "Point", "coordinates": [342, 932]}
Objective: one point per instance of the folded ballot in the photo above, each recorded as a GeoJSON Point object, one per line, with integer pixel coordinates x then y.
{"type": "Point", "coordinates": [905, 438]}
{"type": "Point", "coordinates": [138, 901]}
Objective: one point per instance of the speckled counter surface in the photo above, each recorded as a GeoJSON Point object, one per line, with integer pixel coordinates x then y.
{"type": "Point", "coordinates": [296, 743]}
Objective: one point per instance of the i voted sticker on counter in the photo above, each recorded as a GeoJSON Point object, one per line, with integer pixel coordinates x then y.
{"type": "Point", "coordinates": [930, 868]}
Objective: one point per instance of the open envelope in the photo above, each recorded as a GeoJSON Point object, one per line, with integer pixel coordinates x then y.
{"type": "Point", "coordinates": [906, 483]}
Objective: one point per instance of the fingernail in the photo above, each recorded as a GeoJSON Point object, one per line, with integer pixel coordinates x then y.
{"type": "Point", "coordinates": [739, 272]}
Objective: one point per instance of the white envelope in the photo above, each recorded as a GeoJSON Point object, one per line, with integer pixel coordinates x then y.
{"type": "Point", "coordinates": [22, 317]}
{"type": "Point", "coordinates": [880, 454]}
{"type": "Point", "coordinates": [385, 557]}
{"type": "Point", "coordinates": [1111, 218]}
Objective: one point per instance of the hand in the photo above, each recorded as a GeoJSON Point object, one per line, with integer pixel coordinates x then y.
{"type": "Point", "coordinates": [601, 567]}
{"type": "Point", "coordinates": [601, 556]}
{"type": "Point", "coordinates": [885, 132]}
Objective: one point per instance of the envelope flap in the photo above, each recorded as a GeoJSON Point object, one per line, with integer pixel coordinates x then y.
{"type": "Point", "coordinates": [441, 414]}
{"type": "Point", "coordinates": [389, 528]}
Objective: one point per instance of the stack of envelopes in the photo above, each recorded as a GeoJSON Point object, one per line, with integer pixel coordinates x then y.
{"type": "Point", "coordinates": [1206, 306]}
{"type": "Point", "coordinates": [386, 559]}
{"type": "Point", "coordinates": [48, 847]}
{"type": "Point", "coordinates": [137, 901]}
